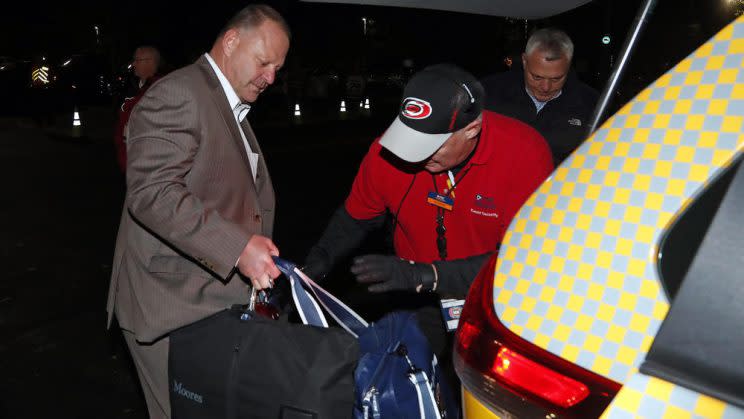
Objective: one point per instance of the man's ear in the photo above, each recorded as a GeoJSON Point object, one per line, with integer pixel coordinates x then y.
{"type": "Point", "coordinates": [473, 129]}
{"type": "Point", "coordinates": [230, 41]}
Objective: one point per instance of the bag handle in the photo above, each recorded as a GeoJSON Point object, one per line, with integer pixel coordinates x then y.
{"type": "Point", "coordinates": [426, 403]}
{"type": "Point", "coordinates": [345, 316]}
{"type": "Point", "coordinates": [307, 306]}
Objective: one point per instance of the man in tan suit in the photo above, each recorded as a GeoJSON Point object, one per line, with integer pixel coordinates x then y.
{"type": "Point", "coordinates": [199, 208]}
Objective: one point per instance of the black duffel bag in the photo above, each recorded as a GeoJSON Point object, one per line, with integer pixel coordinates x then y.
{"type": "Point", "coordinates": [236, 364]}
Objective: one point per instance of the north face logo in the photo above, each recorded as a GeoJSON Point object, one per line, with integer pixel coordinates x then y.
{"type": "Point", "coordinates": [179, 389]}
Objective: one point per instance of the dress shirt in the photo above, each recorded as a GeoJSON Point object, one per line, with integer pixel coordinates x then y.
{"type": "Point", "coordinates": [240, 111]}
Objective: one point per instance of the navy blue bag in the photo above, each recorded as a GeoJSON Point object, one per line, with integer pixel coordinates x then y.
{"type": "Point", "coordinates": [397, 375]}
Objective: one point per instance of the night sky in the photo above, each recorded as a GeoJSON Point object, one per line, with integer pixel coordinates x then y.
{"type": "Point", "coordinates": [330, 36]}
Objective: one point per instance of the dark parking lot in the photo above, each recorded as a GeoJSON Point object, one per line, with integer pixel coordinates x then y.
{"type": "Point", "coordinates": [63, 198]}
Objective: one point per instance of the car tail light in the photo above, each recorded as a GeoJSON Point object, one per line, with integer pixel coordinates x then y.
{"type": "Point", "coordinates": [514, 376]}
{"type": "Point", "coordinates": [519, 371]}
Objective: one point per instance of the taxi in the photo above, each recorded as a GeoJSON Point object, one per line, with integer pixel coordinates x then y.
{"type": "Point", "coordinates": [615, 292]}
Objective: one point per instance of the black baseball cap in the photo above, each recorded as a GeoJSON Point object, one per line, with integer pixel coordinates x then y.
{"type": "Point", "coordinates": [437, 101]}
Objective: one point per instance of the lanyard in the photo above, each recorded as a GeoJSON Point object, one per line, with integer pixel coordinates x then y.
{"type": "Point", "coordinates": [441, 230]}
{"type": "Point", "coordinates": [451, 182]}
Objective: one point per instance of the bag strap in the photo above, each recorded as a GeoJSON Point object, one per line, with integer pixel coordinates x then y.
{"type": "Point", "coordinates": [345, 316]}
{"type": "Point", "coordinates": [307, 307]}
{"type": "Point", "coordinates": [426, 403]}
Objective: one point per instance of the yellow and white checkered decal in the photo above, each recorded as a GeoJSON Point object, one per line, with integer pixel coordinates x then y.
{"type": "Point", "coordinates": [577, 274]}
{"type": "Point", "coordinates": [649, 397]}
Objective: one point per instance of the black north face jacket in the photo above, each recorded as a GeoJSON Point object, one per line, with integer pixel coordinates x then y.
{"type": "Point", "coordinates": [564, 121]}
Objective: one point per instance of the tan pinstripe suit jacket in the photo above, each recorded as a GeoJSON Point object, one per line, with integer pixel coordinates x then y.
{"type": "Point", "coordinates": [191, 206]}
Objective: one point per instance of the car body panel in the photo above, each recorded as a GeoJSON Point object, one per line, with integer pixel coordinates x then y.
{"type": "Point", "coordinates": [524, 9]}
{"type": "Point", "coordinates": [578, 269]}
{"type": "Point", "coordinates": [474, 409]}
{"type": "Point", "coordinates": [649, 397]}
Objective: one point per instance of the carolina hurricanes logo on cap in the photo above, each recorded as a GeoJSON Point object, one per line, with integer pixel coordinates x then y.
{"type": "Point", "coordinates": [415, 108]}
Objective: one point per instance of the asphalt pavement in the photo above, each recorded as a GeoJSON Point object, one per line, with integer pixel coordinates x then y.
{"type": "Point", "coordinates": [62, 197]}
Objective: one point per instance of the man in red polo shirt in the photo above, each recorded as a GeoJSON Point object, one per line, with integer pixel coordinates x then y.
{"type": "Point", "coordinates": [453, 176]}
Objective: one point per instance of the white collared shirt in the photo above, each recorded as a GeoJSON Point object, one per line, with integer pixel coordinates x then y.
{"type": "Point", "coordinates": [240, 111]}
{"type": "Point", "coordinates": [539, 104]}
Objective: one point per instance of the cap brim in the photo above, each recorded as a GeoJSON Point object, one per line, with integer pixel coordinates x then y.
{"type": "Point", "coordinates": [409, 144]}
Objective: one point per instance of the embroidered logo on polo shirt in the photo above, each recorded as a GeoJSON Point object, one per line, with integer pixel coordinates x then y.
{"type": "Point", "coordinates": [485, 206]}
{"type": "Point", "coordinates": [485, 202]}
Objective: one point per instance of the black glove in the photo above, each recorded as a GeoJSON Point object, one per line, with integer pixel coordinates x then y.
{"type": "Point", "coordinates": [317, 264]}
{"type": "Point", "coordinates": [387, 273]}
{"type": "Point", "coordinates": [343, 234]}
{"type": "Point", "coordinates": [455, 276]}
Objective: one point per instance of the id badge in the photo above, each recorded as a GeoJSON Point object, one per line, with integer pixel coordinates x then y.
{"type": "Point", "coordinates": [441, 201]}
{"type": "Point", "coordinates": [451, 310]}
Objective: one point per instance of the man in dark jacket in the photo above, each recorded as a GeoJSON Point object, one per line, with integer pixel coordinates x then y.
{"type": "Point", "coordinates": [544, 93]}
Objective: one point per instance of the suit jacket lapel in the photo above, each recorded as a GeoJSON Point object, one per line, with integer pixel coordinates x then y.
{"type": "Point", "coordinates": [220, 100]}
{"type": "Point", "coordinates": [262, 173]}
{"type": "Point", "coordinates": [263, 185]}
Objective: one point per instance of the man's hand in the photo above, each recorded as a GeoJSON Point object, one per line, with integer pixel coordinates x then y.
{"type": "Point", "coordinates": [255, 262]}
{"type": "Point", "coordinates": [387, 273]}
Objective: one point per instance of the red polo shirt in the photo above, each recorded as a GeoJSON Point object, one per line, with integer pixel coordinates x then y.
{"type": "Point", "coordinates": [511, 160]}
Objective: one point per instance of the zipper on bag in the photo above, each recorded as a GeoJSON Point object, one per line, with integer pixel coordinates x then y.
{"type": "Point", "coordinates": [232, 381]}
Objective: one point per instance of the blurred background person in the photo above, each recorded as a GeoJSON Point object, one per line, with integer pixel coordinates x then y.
{"type": "Point", "coordinates": [147, 69]}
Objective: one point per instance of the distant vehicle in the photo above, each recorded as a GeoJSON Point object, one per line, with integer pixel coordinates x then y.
{"type": "Point", "coordinates": [8, 64]}
{"type": "Point", "coordinates": [44, 85]}
{"type": "Point", "coordinates": [14, 82]}
{"type": "Point", "coordinates": [13, 72]}
{"type": "Point", "coordinates": [41, 73]}
{"type": "Point", "coordinates": [88, 76]}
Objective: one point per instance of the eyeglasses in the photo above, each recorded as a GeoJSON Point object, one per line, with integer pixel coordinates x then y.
{"type": "Point", "coordinates": [441, 239]}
